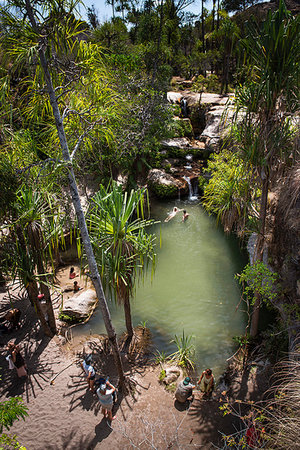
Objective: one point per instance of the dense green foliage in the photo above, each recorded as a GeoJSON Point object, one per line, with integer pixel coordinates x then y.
{"type": "Point", "coordinates": [258, 278]}
{"type": "Point", "coordinates": [10, 411]}
{"type": "Point", "coordinates": [122, 247]}
{"type": "Point", "coordinates": [229, 192]}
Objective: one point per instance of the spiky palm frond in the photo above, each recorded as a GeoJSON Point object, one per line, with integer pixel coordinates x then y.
{"type": "Point", "coordinates": [122, 246]}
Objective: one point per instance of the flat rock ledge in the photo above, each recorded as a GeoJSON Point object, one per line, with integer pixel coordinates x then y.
{"type": "Point", "coordinates": [81, 305]}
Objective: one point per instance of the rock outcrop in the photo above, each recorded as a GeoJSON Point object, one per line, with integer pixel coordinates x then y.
{"type": "Point", "coordinates": [162, 184]}
{"type": "Point", "coordinates": [80, 306]}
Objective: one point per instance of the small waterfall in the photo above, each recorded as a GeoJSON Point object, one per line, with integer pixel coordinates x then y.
{"type": "Point", "coordinates": [193, 190]}
{"type": "Point", "coordinates": [189, 158]}
{"type": "Point", "coordinates": [183, 107]}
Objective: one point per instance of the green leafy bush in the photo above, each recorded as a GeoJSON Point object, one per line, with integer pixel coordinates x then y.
{"type": "Point", "coordinates": [69, 319]}
{"type": "Point", "coordinates": [162, 375]}
{"type": "Point", "coordinates": [163, 191]}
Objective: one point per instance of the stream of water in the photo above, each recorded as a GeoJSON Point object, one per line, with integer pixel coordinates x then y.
{"type": "Point", "coordinates": [193, 288]}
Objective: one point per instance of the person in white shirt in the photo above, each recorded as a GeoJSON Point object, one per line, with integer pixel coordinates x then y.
{"type": "Point", "coordinates": [89, 372]}
{"type": "Point", "coordinates": [105, 396]}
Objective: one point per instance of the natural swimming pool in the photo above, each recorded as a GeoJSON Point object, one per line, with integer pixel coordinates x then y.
{"type": "Point", "coordinates": [193, 288]}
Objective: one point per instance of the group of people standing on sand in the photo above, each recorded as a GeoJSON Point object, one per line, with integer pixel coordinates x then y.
{"type": "Point", "coordinates": [106, 392]}
{"type": "Point", "coordinates": [185, 388]}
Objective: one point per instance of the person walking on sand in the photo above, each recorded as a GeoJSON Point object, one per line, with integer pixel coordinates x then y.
{"type": "Point", "coordinates": [207, 382]}
{"type": "Point", "coordinates": [105, 395]}
{"type": "Point", "coordinates": [89, 372]}
{"type": "Point", "coordinates": [185, 215]}
{"type": "Point", "coordinates": [17, 359]}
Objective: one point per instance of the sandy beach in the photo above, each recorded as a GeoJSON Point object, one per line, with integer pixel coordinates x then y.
{"type": "Point", "coordinates": [65, 415]}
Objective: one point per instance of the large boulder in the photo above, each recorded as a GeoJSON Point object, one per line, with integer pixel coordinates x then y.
{"type": "Point", "coordinates": [172, 374]}
{"type": "Point", "coordinates": [162, 184]}
{"type": "Point", "coordinates": [218, 119]}
{"type": "Point", "coordinates": [80, 306]}
{"type": "Point", "coordinates": [174, 97]}
{"type": "Point", "coordinates": [180, 142]}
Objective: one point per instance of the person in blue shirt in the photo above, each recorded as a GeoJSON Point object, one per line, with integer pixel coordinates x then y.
{"type": "Point", "coordinates": [89, 371]}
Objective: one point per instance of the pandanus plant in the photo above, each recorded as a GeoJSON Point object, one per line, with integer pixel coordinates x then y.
{"type": "Point", "coordinates": [270, 95]}
{"type": "Point", "coordinates": [35, 235]}
{"type": "Point", "coordinates": [122, 247]}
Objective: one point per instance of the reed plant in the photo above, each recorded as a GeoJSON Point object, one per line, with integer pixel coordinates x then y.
{"type": "Point", "coordinates": [184, 355]}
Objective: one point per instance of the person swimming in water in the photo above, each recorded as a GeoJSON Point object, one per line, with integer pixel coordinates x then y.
{"type": "Point", "coordinates": [185, 215]}
{"type": "Point", "coordinates": [173, 213]}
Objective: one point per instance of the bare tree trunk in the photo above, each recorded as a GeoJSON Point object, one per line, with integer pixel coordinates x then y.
{"type": "Point", "coordinates": [156, 58]}
{"type": "Point", "coordinates": [94, 273]}
{"type": "Point", "coordinates": [202, 26]}
{"type": "Point", "coordinates": [37, 242]}
{"type": "Point", "coordinates": [213, 15]}
{"type": "Point", "coordinates": [127, 311]}
{"type": "Point", "coordinates": [33, 291]}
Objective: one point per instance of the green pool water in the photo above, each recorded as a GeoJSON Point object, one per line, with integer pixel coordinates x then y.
{"type": "Point", "coordinates": [193, 288]}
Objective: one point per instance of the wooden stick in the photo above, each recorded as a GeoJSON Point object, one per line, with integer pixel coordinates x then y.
{"type": "Point", "coordinates": [55, 376]}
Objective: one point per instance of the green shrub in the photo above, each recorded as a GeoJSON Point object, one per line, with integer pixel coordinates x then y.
{"type": "Point", "coordinates": [162, 375]}
{"type": "Point", "coordinates": [69, 319]}
{"type": "Point", "coordinates": [183, 128]}
{"type": "Point", "coordinates": [171, 387]}
{"type": "Point", "coordinates": [209, 84]}
{"type": "Point", "coordinates": [163, 191]}
{"type": "Point", "coordinates": [202, 182]}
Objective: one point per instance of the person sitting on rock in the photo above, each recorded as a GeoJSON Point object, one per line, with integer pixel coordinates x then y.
{"type": "Point", "coordinates": [13, 317]}
{"type": "Point", "coordinates": [76, 287]}
{"type": "Point", "coordinates": [184, 391]}
{"type": "Point", "coordinates": [72, 273]}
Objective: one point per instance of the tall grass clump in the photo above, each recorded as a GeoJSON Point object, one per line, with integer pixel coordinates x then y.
{"type": "Point", "coordinates": [184, 355]}
{"type": "Point", "coordinates": [284, 410]}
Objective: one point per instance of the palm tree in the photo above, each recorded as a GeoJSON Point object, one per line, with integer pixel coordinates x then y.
{"type": "Point", "coordinates": [32, 241]}
{"type": "Point", "coordinates": [60, 38]}
{"type": "Point", "coordinates": [272, 91]}
{"type": "Point", "coordinates": [122, 247]}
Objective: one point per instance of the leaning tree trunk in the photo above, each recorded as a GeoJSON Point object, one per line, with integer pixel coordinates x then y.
{"type": "Point", "coordinates": [94, 273]}
{"type": "Point", "coordinates": [127, 311]}
{"type": "Point", "coordinates": [36, 241]}
{"type": "Point", "coordinates": [33, 291]}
